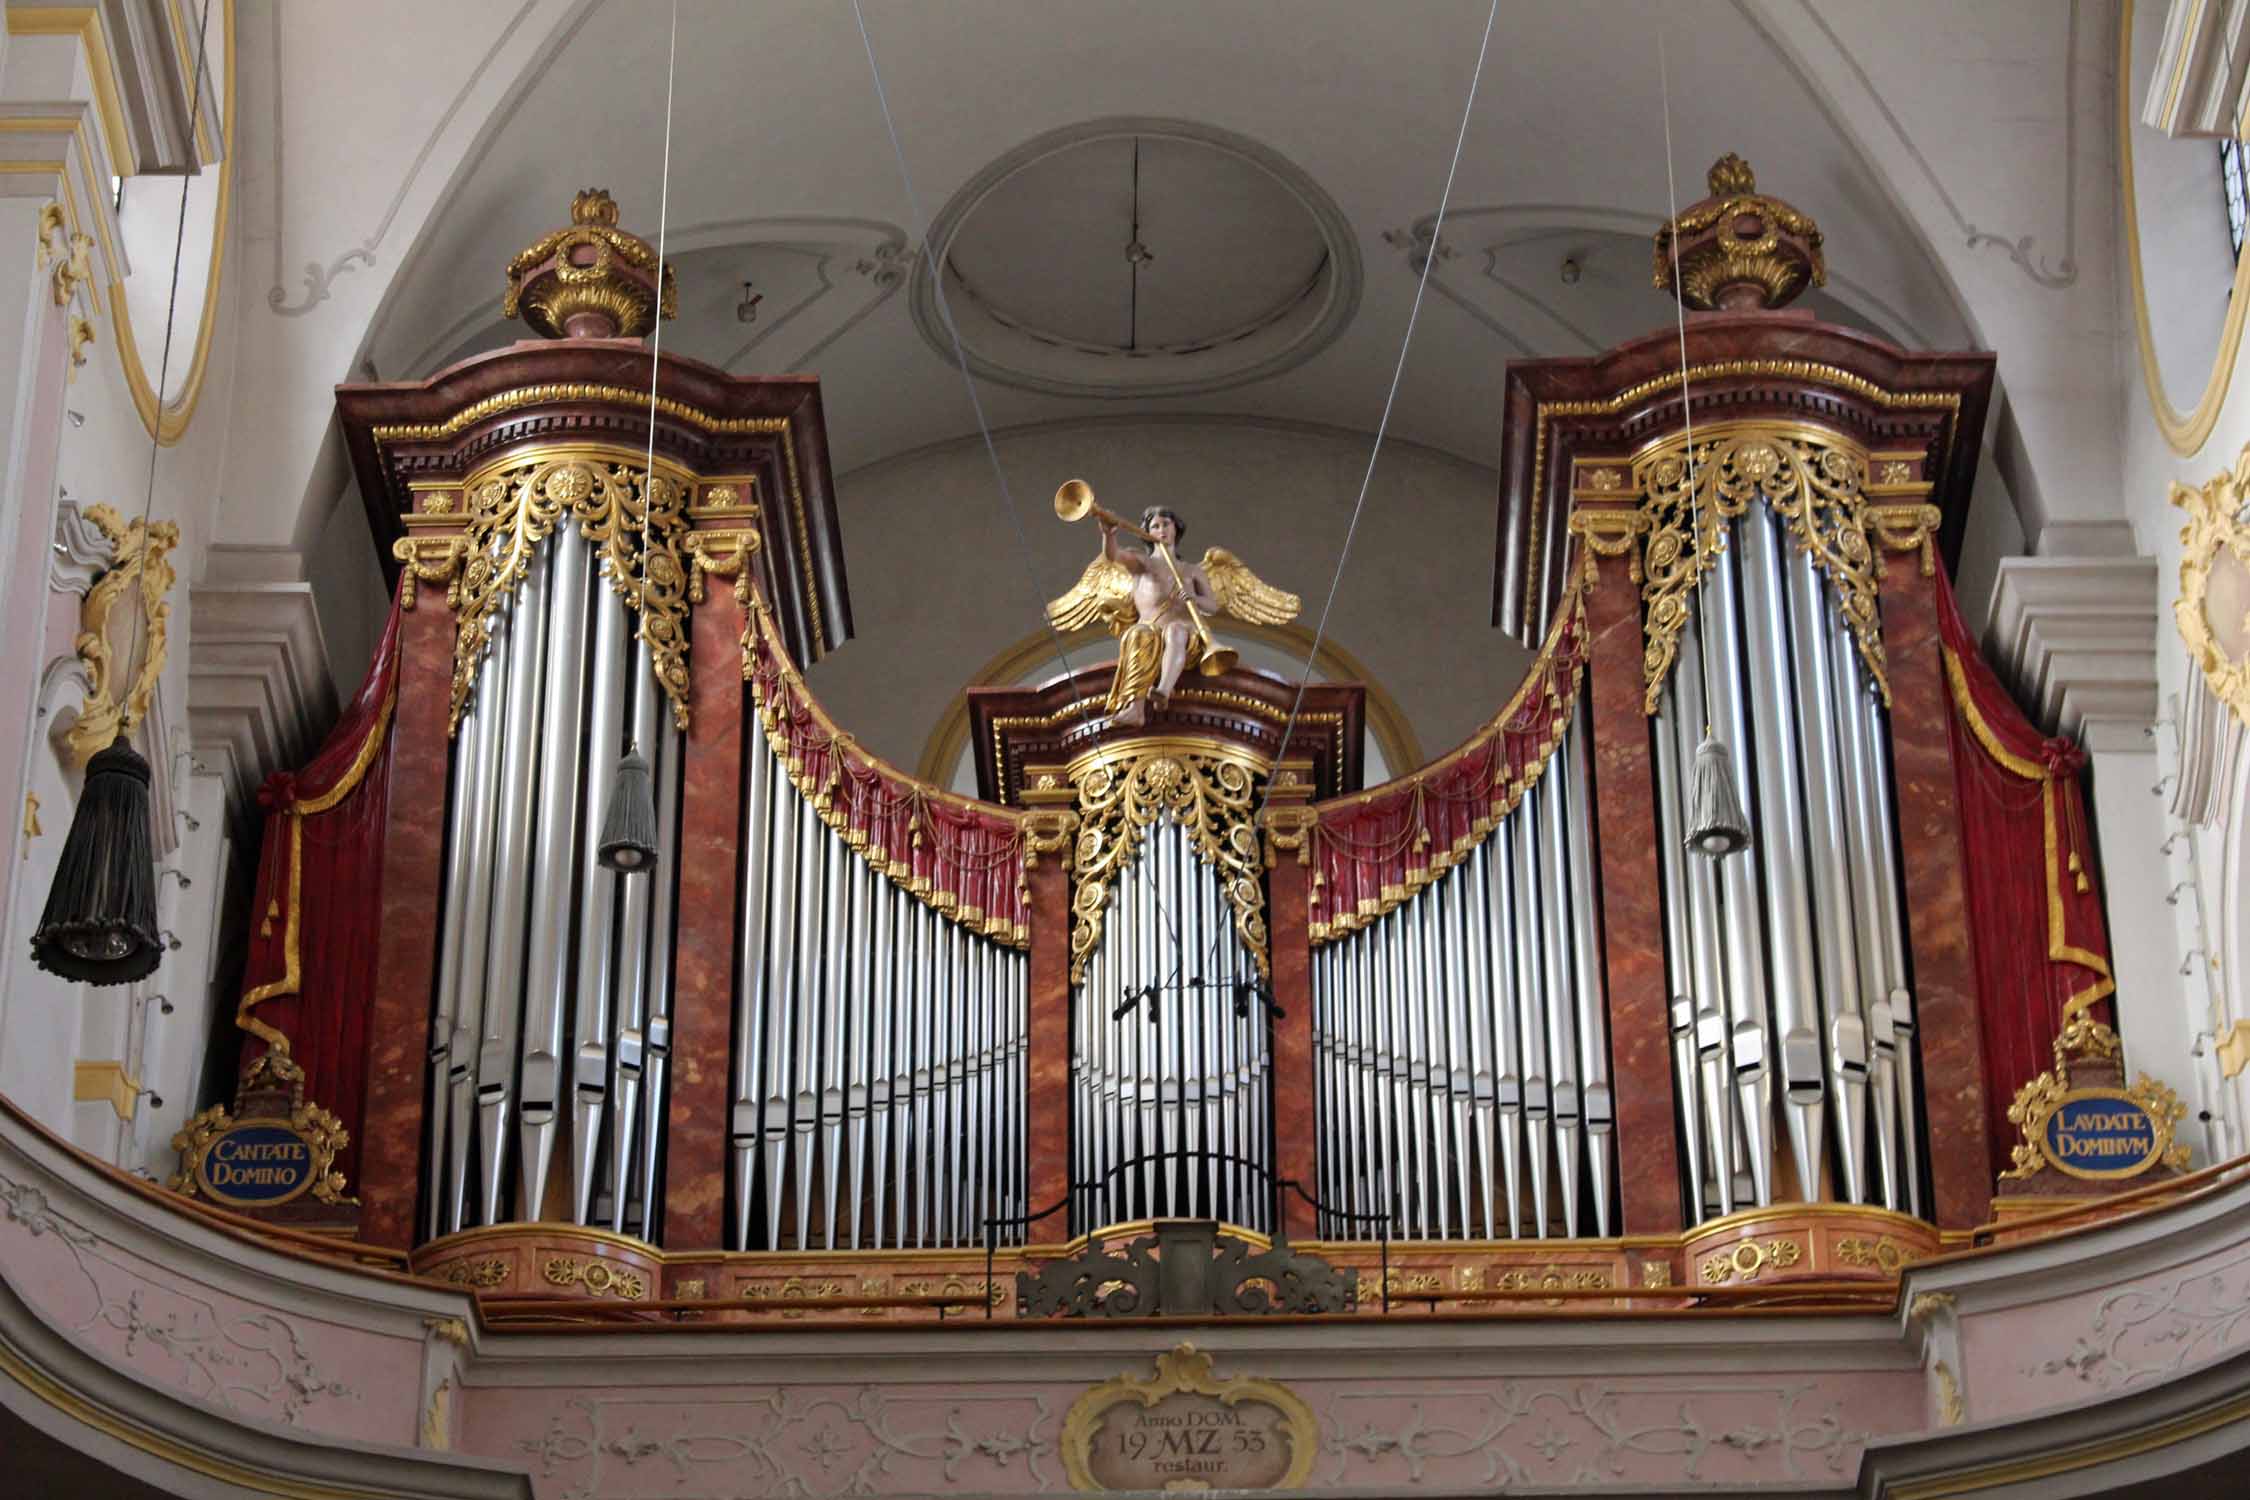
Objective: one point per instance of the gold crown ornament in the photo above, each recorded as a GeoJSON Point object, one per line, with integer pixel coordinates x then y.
{"type": "Point", "coordinates": [592, 280]}
{"type": "Point", "coordinates": [1738, 250]}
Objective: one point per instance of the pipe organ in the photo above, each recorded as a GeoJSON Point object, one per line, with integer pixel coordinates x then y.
{"type": "Point", "coordinates": [1186, 967]}
{"type": "Point", "coordinates": [1464, 1083]}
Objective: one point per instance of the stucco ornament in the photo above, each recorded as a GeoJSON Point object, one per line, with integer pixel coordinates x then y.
{"type": "Point", "coordinates": [140, 560]}
{"type": "Point", "coordinates": [2213, 608]}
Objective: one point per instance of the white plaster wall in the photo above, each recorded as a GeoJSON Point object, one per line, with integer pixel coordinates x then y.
{"type": "Point", "coordinates": [1279, 496]}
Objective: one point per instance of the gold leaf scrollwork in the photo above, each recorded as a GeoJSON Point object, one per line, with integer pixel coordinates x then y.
{"type": "Point", "coordinates": [516, 506]}
{"type": "Point", "coordinates": [141, 558]}
{"type": "Point", "coordinates": [1608, 533]}
{"type": "Point", "coordinates": [1813, 480]}
{"type": "Point", "coordinates": [1046, 830]}
{"type": "Point", "coordinates": [1749, 1259]}
{"type": "Point", "coordinates": [1288, 831]}
{"type": "Point", "coordinates": [430, 559]}
{"type": "Point", "coordinates": [2215, 547]}
{"type": "Point", "coordinates": [597, 1276]}
{"type": "Point", "coordinates": [1908, 528]}
{"type": "Point", "coordinates": [1211, 798]}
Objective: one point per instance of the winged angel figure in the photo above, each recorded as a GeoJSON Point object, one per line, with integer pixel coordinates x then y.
{"type": "Point", "coordinates": [1157, 607]}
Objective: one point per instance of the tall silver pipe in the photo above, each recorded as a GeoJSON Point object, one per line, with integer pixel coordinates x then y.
{"type": "Point", "coordinates": [1592, 990]}
{"type": "Point", "coordinates": [925, 991]}
{"type": "Point", "coordinates": [835, 1020]}
{"type": "Point", "coordinates": [1531, 894]}
{"type": "Point", "coordinates": [1870, 867]}
{"type": "Point", "coordinates": [1390, 1083]}
{"type": "Point", "coordinates": [860, 1044]}
{"type": "Point", "coordinates": [635, 921]}
{"type": "Point", "coordinates": [892, 1087]}
{"type": "Point", "coordinates": [1171, 1013]}
{"type": "Point", "coordinates": [784, 987]}
{"type": "Point", "coordinates": [809, 1018]}
{"type": "Point", "coordinates": [1147, 1020]}
{"type": "Point", "coordinates": [1561, 981]}
{"type": "Point", "coordinates": [1844, 1026]}
{"type": "Point", "coordinates": [488, 723]}
{"type": "Point", "coordinates": [1680, 967]}
{"type": "Point", "coordinates": [1880, 792]}
{"type": "Point", "coordinates": [1413, 1020]}
{"type": "Point", "coordinates": [1460, 1042]}
{"type": "Point", "coordinates": [1356, 1149]}
{"type": "Point", "coordinates": [468, 819]}
{"type": "Point", "coordinates": [511, 882]}
{"type": "Point", "coordinates": [1508, 949]}
{"type": "Point", "coordinates": [597, 894]}
{"type": "Point", "coordinates": [559, 795]}
{"type": "Point", "coordinates": [1782, 848]}
{"type": "Point", "coordinates": [1202, 1087]}
{"type": "Point", "coordinates": [656, 1047]}
{"type": "Point", "coordinates": [753, 976]}
{"type": "Point", "coordinates": [1477, 946]}
{"type": "Point", "coordinates": [1747, 990]}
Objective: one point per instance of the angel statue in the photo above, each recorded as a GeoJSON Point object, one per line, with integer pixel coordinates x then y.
{"type": "Point", "coordinates": [1157, 605]}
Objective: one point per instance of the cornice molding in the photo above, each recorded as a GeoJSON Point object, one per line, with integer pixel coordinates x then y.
{"type": "Point", "coordinates": [2075, 637]}
{"type": "Point", "coordinates": [259, 689]}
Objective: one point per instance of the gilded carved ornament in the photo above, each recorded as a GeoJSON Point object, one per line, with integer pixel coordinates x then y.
{"type": "Point", "coordinates": [1120, 796]}
{"type": "Point", "coordinates": [1187, 1371]}
{"type": "Point", "coordinates": [1812, 479]}
{"type": "Point", "coordinates": [323, 1134]}
{"type": "Point", "coordinates": [1289, 831]}
{"type": "Point", "coordinates": [140, 562]}
{"type": "Point", "coordinates": [2213, 610]}
{"type": "Point", "coordinates": [591, 280]}
{"type": "Point", "coordinates": [1738, 249]}
{"type": "Point", "coordinates": [514, 506]}
{"type": "Point", "coordinates": [2089, 1040]}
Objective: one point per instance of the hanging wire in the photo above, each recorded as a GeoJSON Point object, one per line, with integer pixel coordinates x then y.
{"type": "Point", "coordinates": [1382, 427]}
{"type": "Point", "coordinates": [656, 343]}
{"type": "Point", "coordinates": [171, 312]}
{"type": "Point", "coordinates": [918, 228]}
{"type": "Point", "coordinates": [1687, 412]}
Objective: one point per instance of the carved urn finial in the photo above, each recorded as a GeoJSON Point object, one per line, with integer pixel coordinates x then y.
{"type": "Point", "coordinates": [590, 281]}
{"type": "Point", "coordinates": [1737, 249]}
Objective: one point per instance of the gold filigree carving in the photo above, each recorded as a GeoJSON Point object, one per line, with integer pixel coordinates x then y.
{"type": "Point", "coordinates": [448, 1330]}
{"type": "Point", "coordinates": [73, 269]}
{"type": "Point", "coordinates": [323, 1134]}
{"type": "Point", "coordinates": [2213, 610]}
{"type": "Point", "coordinates": [1881, 1253]}
{"type": "Point", "coordinates": [1656, 1273]}
{"type": "Point", "coordinates": [720, 554]}
{"type": "Point", "coordinates": [1289, 831]}
{"type": "Point", "coordinates": [1750, 1259]}
{"type": "Point", "coordinates": [2088, 1039]}
{"type": "Point", "coordinates": [599, 1277]}
{"type": "Point", "coordinates": [515, 505]}
{"type": "Point", "coordinates": [439, 503]}
{"type": "Point", "coordinates": [51, 223]}
{"type": "Point", "coordinates": [81, 335]}
{"type": "Point", "coordinates": [1810, 478]}
{"type": "Point", "coordinates": [1609, 533]}
{"type": "Point", "coordinates": [483, 1274]}
{"type": "Point", "coordinates": [1046, 830]}
{"type": "Point", "coordinates": [1760, 242]}
{"type": "Point", "coordinates": [431, 559]}
{"type": "Point", "coordinates": [1907, 528]}
{"type": "Point", "coordinates": [1121, 795]}
{"type": "Point", "coordinates": [140, 556]}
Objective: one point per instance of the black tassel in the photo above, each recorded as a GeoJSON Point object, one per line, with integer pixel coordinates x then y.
{"type": "Point", "coordinates": [629, 828]}
{"type": "Point", "coordinates": [1717, 826]}
{"type": "Point", "coordinates": [100, 923]}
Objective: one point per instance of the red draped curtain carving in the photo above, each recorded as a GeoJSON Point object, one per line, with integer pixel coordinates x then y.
{"type": "Point", "coordinates": [2035, 900]}
{"type": "Point", "coordinates": [1375, 848]}
{"type": "Point", "coordinates": [311, 973]}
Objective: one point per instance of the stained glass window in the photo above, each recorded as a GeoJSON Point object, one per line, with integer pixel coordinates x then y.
{"type": "Point", "coordinates": [2238, 196]}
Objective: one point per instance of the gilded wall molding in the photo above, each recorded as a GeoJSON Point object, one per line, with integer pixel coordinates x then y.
{"type": "Point", "coordinates": [140, 563]}
{"type": "Point", "coordinates": [2215, 574]}
{"type": "Point", "coordinates": [1125, 789]}
{"type": "Point", "coordinates": [1815, 480]}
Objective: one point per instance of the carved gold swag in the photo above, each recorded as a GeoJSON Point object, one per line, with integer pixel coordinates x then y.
{"type": "Point", "coordinates": [1212, 798]}
{"type": "Point", "coordinates": [141, 559]}
{"type": "Point", "coordinates": [2213, 610]}
{"type": "Point", "coordinates": [1814, 481]}
{"type": "Point", "coordinates": [513, 508]}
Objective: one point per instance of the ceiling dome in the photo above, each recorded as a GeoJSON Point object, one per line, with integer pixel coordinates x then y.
{"type": "Point", "coordinates": [1134, 257]}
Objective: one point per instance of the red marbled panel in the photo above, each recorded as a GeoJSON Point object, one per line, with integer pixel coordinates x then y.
{"type": "Point", "coordinates": [1294, 1117]}
{"type": "Point", "coordinates": [1648, 1161]}
{"type": "Point", "coordinates": [398, 1030]}
{"type": "Point", "coordinates": [1047, 1101]}
{"type": "Point", "coordinates": [1937, 905]}
{"type": "Point", "coordinates": [695, 1181]}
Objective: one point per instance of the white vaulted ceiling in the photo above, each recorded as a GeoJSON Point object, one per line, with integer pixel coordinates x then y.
{"type": "Point", "coordinates": [1283, 163]}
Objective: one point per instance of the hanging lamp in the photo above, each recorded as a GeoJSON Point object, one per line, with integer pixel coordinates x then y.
{"type": "Point", "coordinates": [99, 925]}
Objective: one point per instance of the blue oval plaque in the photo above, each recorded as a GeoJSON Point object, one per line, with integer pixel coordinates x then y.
{"type": "Point", "coordinates": [2101, 1133]}
{"type": "Point", "coordinates": [256, 1164]}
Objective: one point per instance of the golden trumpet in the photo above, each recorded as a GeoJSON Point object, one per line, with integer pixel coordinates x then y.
{"type": "Point", "coordinates": [1074, 501]}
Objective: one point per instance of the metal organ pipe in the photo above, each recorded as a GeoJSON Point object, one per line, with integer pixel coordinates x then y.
{"type": "Point", "coordinates": [597, 894]}
{"type": "Point", "coordinates": [1586, 959]}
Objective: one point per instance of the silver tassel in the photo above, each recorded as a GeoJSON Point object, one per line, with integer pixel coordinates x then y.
{"type": "Point", "coordinates": [629, 831]}
{"type": "Point", "coordinates": [1717, 826]}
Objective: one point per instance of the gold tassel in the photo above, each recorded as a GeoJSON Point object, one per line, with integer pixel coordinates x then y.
{"type": "Point", "coordinates": [273, 909]}
{"type": "Point", "coordinates": [2079, 870]}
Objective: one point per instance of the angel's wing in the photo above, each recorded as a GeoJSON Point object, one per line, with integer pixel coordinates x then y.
{"type": "Point", "coordinates": [1244, 594]}
{"type": "Point", "coordinates": [1103, 595]}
